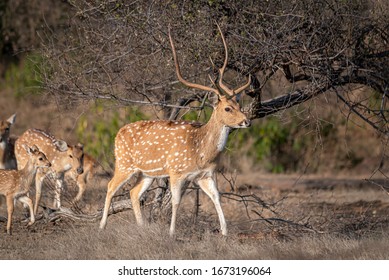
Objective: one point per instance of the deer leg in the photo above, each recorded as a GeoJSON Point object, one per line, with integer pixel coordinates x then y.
{"type": "Point", "coordinates": [58, 190]}
{"type": "Point", "coordinates": [38, 190]}
{"type": "Point", "coordinates": [118, 180]}
{"type": "Point", "coordinates": [208, 185]}
{"type": "Point", "coordinates": [176, 184]}
{"type": "Point", "coordinates": [10, 210]}
{"type": "Point", "coordinates": [28, 202]}
{"type": "Point", "coordinates": [141, 186]}
{"type": "Point", "coordinates": [81, 183]}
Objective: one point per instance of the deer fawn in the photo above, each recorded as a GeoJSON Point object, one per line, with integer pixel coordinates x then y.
{"type": "Point", "coordinates": [15, 184]}
{"type": "Point", "coordinates": [62, 157]}
{"type": "Point", "coordinates": [82, 179]}
{"type": "Point", "coordinates": [176, 149]}
{"type": "Point", "coordinates": [7, 156]}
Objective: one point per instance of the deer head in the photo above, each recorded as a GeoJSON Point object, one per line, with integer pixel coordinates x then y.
{"type": "Point", "coordinates": [5, 127]}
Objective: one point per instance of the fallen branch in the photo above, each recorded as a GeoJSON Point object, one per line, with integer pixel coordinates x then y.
{"type": "Point", "coordinates": [288, 222]}
{"type": "Point", "coordinates": [63, 212]}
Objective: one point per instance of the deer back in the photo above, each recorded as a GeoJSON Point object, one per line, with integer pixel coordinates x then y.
{"type": "Point", "coordinates": [8, 179]}
{"type": "Point", "coordinates": [62, 156]}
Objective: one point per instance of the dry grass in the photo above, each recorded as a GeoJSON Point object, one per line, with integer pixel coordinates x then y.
{"type": "Point", "coordinates": [124, 240]}
{"type": "Point", "coordinates": [302, 222]}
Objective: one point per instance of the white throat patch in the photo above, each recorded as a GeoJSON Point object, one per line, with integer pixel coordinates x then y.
{"type": "Point", "coordinates": [222, 141]}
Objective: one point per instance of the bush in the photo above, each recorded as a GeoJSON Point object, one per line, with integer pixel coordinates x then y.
{"type": "Point", "coordinates": [25, 78]}
{"type": "Point", "coordinates": [277, 146]}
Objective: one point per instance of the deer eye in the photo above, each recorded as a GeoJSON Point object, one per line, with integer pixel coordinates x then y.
{"type": "Point", "coordinates": [40, 159]}
{"type": "Point", "coordinates": [70, 156]}
{"type": "Point", "coordinates": [228, 109]}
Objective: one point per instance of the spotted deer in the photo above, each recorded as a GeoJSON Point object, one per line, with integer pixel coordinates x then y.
{"type": "Point", "coordinates": [15, 184]}
{"type": "Point", "coordinates": [7, 156]}
{"type": "Point", "coordinates": [62, 156]}
{"type": "Point", "coordinates": [179, 150]}
{"type": "Point", "coordinates": [82, 179]}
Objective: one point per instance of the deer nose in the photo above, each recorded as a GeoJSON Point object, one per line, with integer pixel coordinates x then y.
{"type": "Point", "coordinates": [80, 170]}
{"type": "Point", "coordinates": [245, 123]}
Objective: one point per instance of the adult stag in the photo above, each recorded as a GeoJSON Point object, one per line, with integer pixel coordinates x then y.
{"type": "Point", "coordinates": [179, 150]}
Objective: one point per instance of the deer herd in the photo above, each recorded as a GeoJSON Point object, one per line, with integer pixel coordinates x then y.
{"type": "Point", "coordinates": [179, 150]}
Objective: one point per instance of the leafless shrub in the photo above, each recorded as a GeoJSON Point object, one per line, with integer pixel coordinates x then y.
{"type": "Point", "coordinates": [119, 51]}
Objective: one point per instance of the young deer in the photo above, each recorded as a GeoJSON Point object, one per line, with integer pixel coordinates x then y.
{"type": "Point", "coordinates": [176, 149]}
{"type": "Point", "coordinates": [62, 157]}
{"type": "Point", "coordinates": [15, 184]}
{"type": "Point", "coordinates": [7, 156]}
{"type": "Point", "coordinates": [82, 179]}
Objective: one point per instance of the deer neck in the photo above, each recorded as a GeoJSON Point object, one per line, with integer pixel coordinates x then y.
{"type": "Point", "coordinates": [213, 138]}
{"type": "Point", "coordinates": [27, 175]}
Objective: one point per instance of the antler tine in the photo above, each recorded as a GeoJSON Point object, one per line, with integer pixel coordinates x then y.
{"type": "Point", "coordinates": [242, 88]}
{"type": "Point", "coordinates": [178, 72]}
{"type": "Point", "coordinates": [213, 81]}
{"type": "Point", "coordinates": [221, 70]}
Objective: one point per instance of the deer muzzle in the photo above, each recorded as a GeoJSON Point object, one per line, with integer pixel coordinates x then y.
{"type": "Point", "coordinates": [245, 123]}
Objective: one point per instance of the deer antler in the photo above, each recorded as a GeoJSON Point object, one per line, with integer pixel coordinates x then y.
{"type": "Point", "coordinates": [230, 92]}
{"type": "Point", "coordinates": [178, 72]}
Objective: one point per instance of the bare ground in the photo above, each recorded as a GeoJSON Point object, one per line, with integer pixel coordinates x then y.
{"type": "Point", "coordinates": [282, 217]}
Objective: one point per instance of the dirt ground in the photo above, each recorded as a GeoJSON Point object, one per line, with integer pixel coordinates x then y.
{"type": "Point", "coordinates": [269, 217]}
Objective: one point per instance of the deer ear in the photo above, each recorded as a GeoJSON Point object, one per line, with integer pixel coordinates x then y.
{"type": "Point", "coordinates": [61, 145]}
{"type": "Point", "coordinates": [12, 119]}
{"type": "Point", "coordinates": [34, 149]}
{"type": "Point", "coordinates": [237, 97]}
{"type": "Point", "coordinates": [214, 99]}
{"type": "Point", "coordinates": [27, 148]}
{"type": "Point", "coordinates": [30, 150]}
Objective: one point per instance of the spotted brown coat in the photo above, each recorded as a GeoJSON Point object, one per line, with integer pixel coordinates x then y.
{"type": "Point", "coordinates": [62, 156]}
